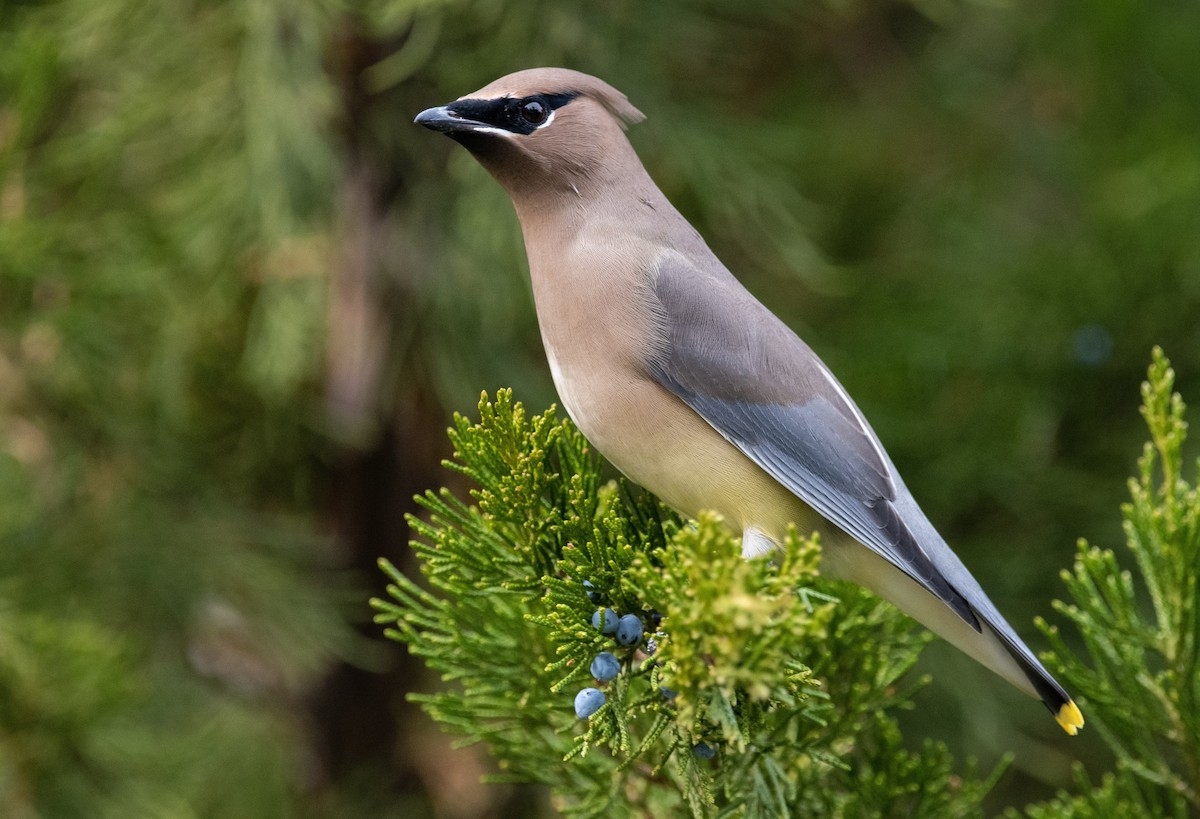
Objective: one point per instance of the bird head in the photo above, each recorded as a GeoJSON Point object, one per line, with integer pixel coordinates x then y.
{"type": "Point", "coordinates": [541, 131]}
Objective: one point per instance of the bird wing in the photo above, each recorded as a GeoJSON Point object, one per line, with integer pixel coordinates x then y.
{"type": "Point", "coordinates": [753, 380]}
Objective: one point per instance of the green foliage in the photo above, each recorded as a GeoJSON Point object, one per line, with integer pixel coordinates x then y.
{"type": "Point", "coordinates": [733, 630]}
{"type": "Point", "coordinates": [789, 678]}
{"type": "Point", "coordinates": [164, 206]}
{"type": "Point", "coordinates": [1115, 795]}
{"type": "Point", "coordinates": [1140, 681]}
{"type": "Point", "coordinates": [61, 683]}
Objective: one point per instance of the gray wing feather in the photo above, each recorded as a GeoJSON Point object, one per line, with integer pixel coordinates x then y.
{"type": "Point", "coordinates": [754, 381]}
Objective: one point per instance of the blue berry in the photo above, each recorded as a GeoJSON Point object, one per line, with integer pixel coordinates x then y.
{"type": "Point", "coordinates": [629, 630]}
{"type": "Point", "coordinates": [605, 667]}
{"type": "Point", "coordinates": [610, 621]}
{"type": "Point", "coordinates": [703, 750]}
{"type": "Point", "coordinates": [668, 693]}
{"type": "Point", "coordinates": [591, 592]}
{"type": "Point", "coordinates": [588, 702]}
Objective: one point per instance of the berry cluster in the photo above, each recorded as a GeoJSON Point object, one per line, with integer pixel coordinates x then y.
{"type": "Point", "coordinates": [628, 630]}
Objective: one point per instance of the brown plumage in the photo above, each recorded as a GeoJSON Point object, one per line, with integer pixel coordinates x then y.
{"type": "Point", "coordinates": [688, 384]}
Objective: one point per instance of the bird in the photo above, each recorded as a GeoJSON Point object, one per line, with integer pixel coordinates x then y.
{"type": "Point", "coordinates": [693, 388]}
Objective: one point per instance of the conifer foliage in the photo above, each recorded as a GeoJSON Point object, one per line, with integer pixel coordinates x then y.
{"type": "Point", "coordinates": [1140, 679]}
{"type": "Point", "coordinates": [761, 689]}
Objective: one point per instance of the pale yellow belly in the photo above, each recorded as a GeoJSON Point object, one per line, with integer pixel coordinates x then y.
{"type": "Point", "coordinates": [660, 443]}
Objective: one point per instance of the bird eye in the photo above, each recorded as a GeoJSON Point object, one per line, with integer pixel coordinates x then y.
{"type": "Point", "coordinates": [533, 111]}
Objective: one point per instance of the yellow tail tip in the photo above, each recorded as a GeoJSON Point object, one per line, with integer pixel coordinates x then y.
{"type": "Point", "coordinates": [1070, 717]}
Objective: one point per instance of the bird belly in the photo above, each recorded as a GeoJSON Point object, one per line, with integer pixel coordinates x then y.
{"type": "Point", "coordinates": [660, 443]}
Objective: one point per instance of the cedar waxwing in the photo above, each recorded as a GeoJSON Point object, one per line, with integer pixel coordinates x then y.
{"type": "Point", "coordinates": [689, 385]}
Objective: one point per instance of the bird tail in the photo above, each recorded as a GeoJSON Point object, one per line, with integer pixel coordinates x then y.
{"type": "Point", "coordinates": [999, 648]}
{"type": "Point", "coordinates": [1052, 695]}
{"type": "Point", "coordinates": [988, 638]}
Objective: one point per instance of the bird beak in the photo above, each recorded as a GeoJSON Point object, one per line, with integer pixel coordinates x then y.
{"type": "Point", "coordinates": [445, 119]}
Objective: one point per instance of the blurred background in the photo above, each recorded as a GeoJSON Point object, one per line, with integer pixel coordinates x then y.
{"type": "Point", "coordinates": [241, 295]}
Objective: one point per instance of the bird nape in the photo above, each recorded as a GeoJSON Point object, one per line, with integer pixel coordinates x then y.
{"type": "Point", "coordinates": [688, 384]}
